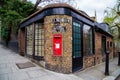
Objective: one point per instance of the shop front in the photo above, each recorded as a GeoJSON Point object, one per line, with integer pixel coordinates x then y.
{"type": "Point", "coordinates": [63, 38]}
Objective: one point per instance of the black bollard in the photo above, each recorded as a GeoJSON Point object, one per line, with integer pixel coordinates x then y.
{"type": "Point", "coordinates": [118, 58]}
{"type": "Point", "coordinates": [107, 63]}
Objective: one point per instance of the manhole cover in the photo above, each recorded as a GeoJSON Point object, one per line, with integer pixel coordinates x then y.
{"type": "Point", "coordinates": [25, 65]}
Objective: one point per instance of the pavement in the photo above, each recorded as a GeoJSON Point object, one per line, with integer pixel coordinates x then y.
{"type": "Point", "coordinates": [9, 70]}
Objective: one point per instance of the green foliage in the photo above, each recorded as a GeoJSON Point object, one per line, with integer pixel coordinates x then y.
{"type": "Point", "coordinates": [11, 14]}
{"type": "Point", "coordinates": [112, 17]}
{"type": "Point", "coordinates": [5, 34]}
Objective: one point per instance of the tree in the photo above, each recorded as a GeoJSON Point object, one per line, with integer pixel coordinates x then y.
{"type": "Point", "coordinates": [11, 14]}
{"type": "Point", "coordinates": [2, 2]}
{"type": "Point", "coordinates": [112, 17]}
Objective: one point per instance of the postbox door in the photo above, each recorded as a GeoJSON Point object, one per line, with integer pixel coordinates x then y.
{"type": "Point", "coordinates": [57, 45]}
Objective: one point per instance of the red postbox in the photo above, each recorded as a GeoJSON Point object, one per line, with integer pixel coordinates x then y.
{"type": "Point", "coordinates": [57, 44]}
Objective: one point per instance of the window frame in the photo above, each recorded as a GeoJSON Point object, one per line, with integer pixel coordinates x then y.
{"type": "Point", "coordinates": [92, 42]}
{"type": "Point", "coordinates": [77, 38]}
{"type": "Point", "coordinates": [108, 44]}
{"type": "Point", "coordinates": [39, 44]}
{"type": "Point", "coordinates": [111, 44]}
{"type": "Point", "coordinates": [103, 44]}
{"type": "Point", "coordinates": [29, 40]}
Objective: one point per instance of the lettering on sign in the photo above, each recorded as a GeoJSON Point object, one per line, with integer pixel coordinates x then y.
{"type": "Point", "coordinates": [63, 20]}
{"type": "Point", "coordinates": [57, 27]}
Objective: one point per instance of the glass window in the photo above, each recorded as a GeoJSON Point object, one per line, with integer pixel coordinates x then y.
{"type": "Point", "coordinates": [110, 44]}
{"type": "Point", "coordinates": [76, 39]}
{"type": "Point", "coordinates": [39, 40]}
{"type": "Point", "coordinates": [87, 40]}
{"type": "Point", "coordinates": [103, 44]}
{"type": "Point", "coordinates": [29, 38]}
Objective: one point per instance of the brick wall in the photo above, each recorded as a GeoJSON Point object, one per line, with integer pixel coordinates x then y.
{"type": "Point", "coordinates": [110, 48]}
{"type": "Point", "coordinates": [98, 48]}
{"type": "Point", "coordinates": [99, 55]}
{"type": "Point", "coordinates": [58, 63]}
{"type": "Point", "coordinates": [88, 61]}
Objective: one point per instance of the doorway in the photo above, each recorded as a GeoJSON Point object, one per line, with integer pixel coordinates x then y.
{"type": "Point", "coordinates": [103, 48]}
{"type": "Point", "coordinates": [103, 44]}
{"type": "Point", "coordinates": [77, 57]}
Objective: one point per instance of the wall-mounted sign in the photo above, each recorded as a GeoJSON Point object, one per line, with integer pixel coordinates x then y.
{"type": "Point", "coordinates": [57, 44]}
{"type": "Point", "coordinates": [63, 20]}
{"type": "Point", "coordinates": [58, 28]}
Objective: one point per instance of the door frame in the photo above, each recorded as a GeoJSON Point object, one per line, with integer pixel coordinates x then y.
{"type": "Point", "coordinates": [75, 69]}
{"type": "Point", "coordinates": [104, 41]}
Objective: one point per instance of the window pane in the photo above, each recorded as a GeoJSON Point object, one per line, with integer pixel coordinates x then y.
{"type": "Point", "coordinates": [110, 44]}
{"type": "Point", "coordinates": [39, 40]}
{"type": "Point", "coordinates": [103, 44]}
{"type": "Point", "coordinates": [29, 39]}
{"type": "Point", "coordinates": [76, 39]}
{"type": "Point", "coordinates": [87, 40]}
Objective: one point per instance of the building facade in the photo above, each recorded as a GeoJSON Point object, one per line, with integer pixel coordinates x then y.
{"type": "Point", "coordinates": [64, 38]}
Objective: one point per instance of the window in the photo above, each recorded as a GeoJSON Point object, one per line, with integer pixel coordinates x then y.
{"type": "Point", "coordinates": [111, 44]}
{"type": "Point", "coordinates": [29, 38]}
{"type": "Point", "coordinates": [108, 44]}
{"type": "Point", "coordinates": [39, 40]}
{"type": "Point", "coordinates": [76, 39]}
{"type": "Point", "coordinates": [103, 44]}
{"type": "Point", "coordinates": [87, 40]}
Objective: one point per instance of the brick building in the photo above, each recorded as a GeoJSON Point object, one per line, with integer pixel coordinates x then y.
{"type": "Point", "coordinates": [64, 38]}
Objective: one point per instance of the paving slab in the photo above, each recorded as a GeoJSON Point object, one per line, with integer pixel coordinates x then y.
{"type": "Point", "coordinates": [3, 65]}
{"type": "Point", "coordinates": [116, 73]}
{"type": "Point", "coordinates": [3, 76]}
{"type": "Point", "coordinates": [36, 73]}
{"type": "Point", "coordinates": [5, 70]}
{"type": "Point", "coordinates": [109, 78]}
{"type": "Point", "coordinates": [18, 76]}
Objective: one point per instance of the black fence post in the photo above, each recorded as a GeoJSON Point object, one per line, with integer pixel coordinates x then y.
{"type": "Point", "coordinates": [107, 63]}
{"type": "Point", "coordinates": [118, 58]}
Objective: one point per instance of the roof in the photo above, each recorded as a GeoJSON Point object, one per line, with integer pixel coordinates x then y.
{"type": "Point", "coordinates": [63, 5]}
{"type": "Point", "coordinates": [102, 29]}
{"type": "Point", "coordinates": [55, 5]}
{"type": "Point", "coordinates": [83, 12]}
